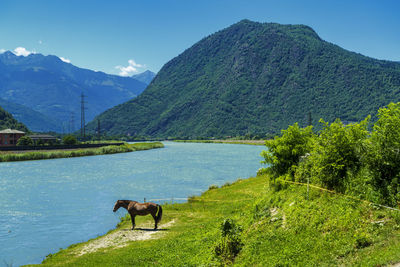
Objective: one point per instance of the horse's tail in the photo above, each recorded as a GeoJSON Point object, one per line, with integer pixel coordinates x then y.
{"type": "Point", "coordinates": [159, 214]}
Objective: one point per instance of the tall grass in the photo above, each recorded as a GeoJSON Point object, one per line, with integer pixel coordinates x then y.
{"type": "Point", "coordinates": [39, 155]}
{"type": "Point", "coordinates": [254, 223]}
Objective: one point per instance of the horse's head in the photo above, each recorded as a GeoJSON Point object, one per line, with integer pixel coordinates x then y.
{"type": "Point", "coordinates": [117, 205]}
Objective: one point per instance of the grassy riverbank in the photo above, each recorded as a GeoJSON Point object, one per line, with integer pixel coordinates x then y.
{"type": "Point", "coordinates": [241, 142]}
{"type": "Point", "coordinates": [54, 154]}
{"type": "Point", "coordinates": [254, 223]}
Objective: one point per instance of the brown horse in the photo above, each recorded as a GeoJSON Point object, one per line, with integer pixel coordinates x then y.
{"type": "Point", "coordinates": [135, 208]}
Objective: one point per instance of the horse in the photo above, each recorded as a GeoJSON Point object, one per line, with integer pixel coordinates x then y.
{"type": "Point", "coordinates": [135, 208]}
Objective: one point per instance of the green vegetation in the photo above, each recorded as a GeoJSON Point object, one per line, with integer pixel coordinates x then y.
{"type": "Point", "coordinates": [25, 141]}
{"type": "Point", "coordinates": [344, 158]}
{"type": "Point", "coordinates": [69, 140]}
{"type": "Point", "coordinates": [253, 223]}
{"type": "Point", "coordinates": [7, 121]}
{"type": "Point", "coordinates": [256, 78]}
{"type": "Point", "coordinates": [318, 203]}
{"type": "Point", "coordinates": [7, 156]}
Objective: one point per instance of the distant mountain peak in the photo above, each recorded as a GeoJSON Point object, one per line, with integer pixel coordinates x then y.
{"type": "Point", "coordinates": [145, 77]}
{"type": "Point", "coordinates": [8, 54]}
{"type": "Point", "coordinates": [52, 87]}
{"type": "Point", "coordinates": [255, 78]}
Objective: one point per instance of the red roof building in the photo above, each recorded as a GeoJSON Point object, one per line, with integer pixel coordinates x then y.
{"type": "Point", "coordinates": [9, 137]}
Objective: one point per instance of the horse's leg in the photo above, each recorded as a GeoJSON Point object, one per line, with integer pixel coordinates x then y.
{"type": "Point", "coordinates": [133, 220]}
{"type": "Point", "coordinates": [155, 219]}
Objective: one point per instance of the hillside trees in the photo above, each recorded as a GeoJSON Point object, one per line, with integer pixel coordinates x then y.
{"type": "Point", "coordinates": [255, 78]}
{"type": "Point", "coordinates": [8, 121]}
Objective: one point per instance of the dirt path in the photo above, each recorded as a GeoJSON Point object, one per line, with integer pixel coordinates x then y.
{"type": "Point", "coordinates": [122, 237]}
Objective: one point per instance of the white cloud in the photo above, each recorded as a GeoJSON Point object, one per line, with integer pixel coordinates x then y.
{"type": "Point", "coordinates": [131, 69]}
{"type": "Point", "coordinates": [21, 51]}
{"type": "Point", "coordinates": [66, 60]}
{"type": "Point", "coordinates": [2, 51]}
{"type": "Point", "coordinates": [40, 42]}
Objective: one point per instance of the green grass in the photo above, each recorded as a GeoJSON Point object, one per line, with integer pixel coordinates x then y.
{"type": "Point", "coordinates": [280, 227]}
{"type": "Point", "coordinates": [39, 155]}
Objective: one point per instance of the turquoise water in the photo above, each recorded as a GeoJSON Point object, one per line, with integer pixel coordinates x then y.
{"type": "Point", "coordinates": [50, 204]}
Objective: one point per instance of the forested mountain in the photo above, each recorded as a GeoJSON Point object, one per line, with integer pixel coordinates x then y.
{"type": "Point", "coordinates": [52, 87]}
{"type": "Point", "coordinates": [8, 122]}
{"type": "Point", "coordinates": [256, 78]}
{"type": "Point", "coordinates": [34, 120]}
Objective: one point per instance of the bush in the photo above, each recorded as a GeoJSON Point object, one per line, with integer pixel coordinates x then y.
{"type": "Point", "coordinates": [25, 141]}
{"type": "Point", "coordinates": [284, 152]}
{"type": "Point", "coordinates": [213, 186]}
{"type": "Point", "coordinates": [69, 140]}
{"type": "Point", "coordinates": [230, 243]}
{"type": "Point", "coordinates": [384, 154]}
{"type": "Point", "coordinates": [339, 149]}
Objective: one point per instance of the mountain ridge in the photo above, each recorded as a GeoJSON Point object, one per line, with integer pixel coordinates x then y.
{"type": "Point", "coordinates": [53, 87]}
{"type": "Point", "coordinates": [145, 77]}
{"type": "Point", "coordinates": [256, 78]}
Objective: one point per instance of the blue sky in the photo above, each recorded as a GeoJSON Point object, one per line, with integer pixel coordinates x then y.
{"type": "Point", "coordinates": [124, 37]}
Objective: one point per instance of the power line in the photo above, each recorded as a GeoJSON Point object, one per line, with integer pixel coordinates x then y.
{"type": "Point", "coordinates": [83, 124]}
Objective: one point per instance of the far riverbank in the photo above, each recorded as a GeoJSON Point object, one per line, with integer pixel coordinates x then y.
{"type": "Point", "coordinates": [68, 153]}
{"type": "Point", "coordinates": [240, 142]}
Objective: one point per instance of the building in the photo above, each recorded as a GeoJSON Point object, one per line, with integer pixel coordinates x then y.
{"type": "Point", "coordinates": [9, 137]}
{"type": "Point", "coordinates": [42, 138]}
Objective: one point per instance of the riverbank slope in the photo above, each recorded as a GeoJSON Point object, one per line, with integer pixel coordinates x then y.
{"type": "Point", "coordinates": [70, 153]}
{"type": "Point", "coordinates": [252, 223]}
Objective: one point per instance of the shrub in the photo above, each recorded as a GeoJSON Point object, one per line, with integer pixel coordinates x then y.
{"type": "Point", "coordinates": [213, 186]}
{"type": "Point", "coordinates": [69, 140]}
{"type": "Point", "coordinates": [338, 150]}
{"type": "Point", "coordinates": [25, 141]}
{"type": "Point", "coordinates": [230, 243]}
{"type": "Point", "coordinates": [284, 152]}
{"type": "Point", "coordinates": [384, 154]}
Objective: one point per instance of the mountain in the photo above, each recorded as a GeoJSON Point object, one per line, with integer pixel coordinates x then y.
{"type": "Point", "coordinates": [52, 87]}
{"type": "Point", "coordinates": [34, 120]}
{"type": "Point", "coordinates": [8, 122]}
{"type": "Point", "coordinates": [256, 78]}
{"type": "Point", "coordinates": [145, 77]}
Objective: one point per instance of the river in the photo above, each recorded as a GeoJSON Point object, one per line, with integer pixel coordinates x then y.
{"type": "Point", "coordinates": [50, 204]}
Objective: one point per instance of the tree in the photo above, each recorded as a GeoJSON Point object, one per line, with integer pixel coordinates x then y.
{"type": "Point", "coordinates": [384, 156]}
{"type": "Point", "coordinates": [69, 140]}
{"type": "Point", "coordinates": [25, 141]}
{"type": "Point", "coordinates": [284, 152]}
{"type": "Point", "coordinates": [338, 150]}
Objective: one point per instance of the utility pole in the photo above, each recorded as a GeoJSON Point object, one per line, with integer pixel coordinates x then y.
{"type": "Point", "coordinates": [98, 130]}
{"type": "Point", "coordinates": [83, 127]}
